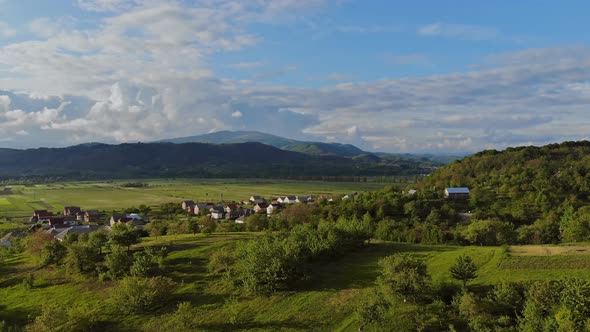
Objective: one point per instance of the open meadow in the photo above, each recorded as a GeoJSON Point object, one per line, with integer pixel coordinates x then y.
{"type": "Point", "coordinates": [323, 302]}
{"type": "Point", "coordinates": [114, 195]}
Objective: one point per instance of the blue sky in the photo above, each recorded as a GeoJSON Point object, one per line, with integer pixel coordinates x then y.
{"type": "Point", "coordinates": [396, 76]}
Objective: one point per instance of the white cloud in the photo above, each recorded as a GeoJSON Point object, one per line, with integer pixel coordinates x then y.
{"type": "Point", "coordinates": [6, 30]}
{"type": "Point", "coordinates": [247, 65]}
{"type": "Point", "coordinates": [143, 72]}
{"type": "Point", "coordinates": [464, 31]}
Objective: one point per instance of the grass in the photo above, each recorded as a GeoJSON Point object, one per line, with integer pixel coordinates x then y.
{"type": "Point", "coordinates": [324, 302]}
{"type": "Point", "coordinates": [113, 195]}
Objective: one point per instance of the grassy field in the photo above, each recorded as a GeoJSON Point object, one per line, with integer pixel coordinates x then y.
{"type": "Point", "coordinates": [113, 195]}
{"type": "Point", "coordinates": [325, 302]}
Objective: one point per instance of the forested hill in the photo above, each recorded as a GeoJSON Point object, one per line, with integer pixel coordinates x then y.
{"type": "Point", "coordinates": [89, 161]}
{"type": "Point", "coordinates": [521, 184]}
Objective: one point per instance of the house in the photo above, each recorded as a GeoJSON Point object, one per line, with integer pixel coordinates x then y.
{"type": "Point", "coordinates": [289, 200]}
{"type": "Point", "coordinates": [217, 213]}
{"type": "Point", "coordinates": [202, 207]}
{"type": "Point", "coordinates": [349, 196]}
{"type": "Point", "coordinates": [256, 199]}
{"type": "Point", "coordinates": [71, 210]}
{"type": "Point", "coordinates": [78, 229]}
{"type": "Point", "coordinates": [41, 216]}
{"type": "Point", "coordinates": [6, 240]}
{"type": "Point", "coordinates": [80, 216]}
{"type": "Point", "coordinates": [260, 208]}
{"type": "Point", "coordinates": [303, 199]}
{"type": "Point", "coordinates": [53, 231]}
{"type": "Point", "coordinates": [248, 212]}
{"type": "Point", "coordinates": [457, 193]}
{"type": "Point", "coordinates": [229, 208]}
{"type": "Point", "coordinates": [58, 221]}
{"type": "Point", "coordinates": [92, 216]}
{"type": "Point", "coordinates": [241, 219]}
{"type": "Point", "coordinates": [188, 206]}
{"type": "Point", "coordinates": [272, 208]}
{"type": "Point", "coordinates": [131, 219]}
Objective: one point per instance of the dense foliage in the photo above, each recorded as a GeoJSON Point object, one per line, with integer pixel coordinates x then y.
{"type": "Point", "coordinates": [279, 260]}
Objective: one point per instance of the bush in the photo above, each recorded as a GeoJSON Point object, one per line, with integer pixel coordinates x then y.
{"type": "Point", "coordinates": [28, 281]}
{"type": "Point", "coordinates": [136, 295]}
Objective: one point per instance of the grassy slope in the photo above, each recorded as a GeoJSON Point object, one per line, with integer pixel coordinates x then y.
{"type": "Point", "coordinates": [325, 302]}
{"type": "Point", "coordinates": [110, 195]}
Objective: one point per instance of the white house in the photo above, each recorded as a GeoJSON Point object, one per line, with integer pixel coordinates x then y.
{"type": "Point", "coordinates": [272, 208]}
{"type": "Point", "coordinates": [256, 199]}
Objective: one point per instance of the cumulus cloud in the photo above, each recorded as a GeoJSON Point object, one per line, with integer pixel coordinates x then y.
{"type": "Point", "coordinates": [236, 114]}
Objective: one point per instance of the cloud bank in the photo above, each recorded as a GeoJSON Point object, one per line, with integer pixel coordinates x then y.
{"type": "Point", "coordinates": [144, 74]}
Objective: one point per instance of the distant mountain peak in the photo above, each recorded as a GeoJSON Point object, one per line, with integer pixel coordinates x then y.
{"type": "Point", "coordinates": [312, 148]}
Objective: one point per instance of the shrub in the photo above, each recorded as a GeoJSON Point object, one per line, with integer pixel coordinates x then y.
{"type": "Point", "coordinates": [135, 294]}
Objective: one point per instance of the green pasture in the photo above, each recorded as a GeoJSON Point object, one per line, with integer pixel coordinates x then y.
{"type": "Point", "coordinates": [324, 302]}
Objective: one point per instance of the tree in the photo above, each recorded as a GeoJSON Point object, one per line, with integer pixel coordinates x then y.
{"type": "Point", "coordinates": [464, 269]}
{"type": "Point", "coordinates": [117, 262]}
{"type": "Point", "coordinates": [256, 223]}
{"type": "Point", "coordinates": [575, 226]}
{"type": "Point", "coordinates": [404, 275]}
{"type": "Point", "coordinates": [36, 241]}
{"type": "Point", "coordinates": [371, 309]}
{"type": "Point", "coordinates": [81, 258]}
{"type": "Point", "coordinates": [208, 225]}
{"type": "Point", "coordinates": [144, 209]}
{"type": "Point", "coordinates": [148, 262]}
{"type": "Point", "coordinates": [192, 225]}
{"type": "Point", "coordinates": [98, 240]}
{"type": "Point", "coordinates": [53, 252]}
{"type": "Point", "coordinates": [125, 235]}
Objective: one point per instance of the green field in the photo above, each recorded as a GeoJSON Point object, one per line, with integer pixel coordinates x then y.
{"type": "Point", "coordinates": [325, 302]}
{"type": "Point", "coordinates": [112, 195]}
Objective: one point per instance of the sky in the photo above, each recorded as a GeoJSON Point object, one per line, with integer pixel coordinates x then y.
{"type": "Point", "coordinates": [394, 76]}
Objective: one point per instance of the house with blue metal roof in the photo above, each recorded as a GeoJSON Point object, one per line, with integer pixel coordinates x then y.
{"type": "Point", "coordinates": [457, 193]}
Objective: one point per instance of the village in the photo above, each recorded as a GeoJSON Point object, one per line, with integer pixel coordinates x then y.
{"type": "Point", "coordinates": [75, 220]}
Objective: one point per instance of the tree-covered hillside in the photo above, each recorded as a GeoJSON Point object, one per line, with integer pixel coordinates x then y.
{"type": "Point", "coordinates": [522, 184]}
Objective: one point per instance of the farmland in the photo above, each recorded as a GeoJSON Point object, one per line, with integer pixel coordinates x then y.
{"type": "Point", "coordinates": [324, 302]}
{"type": "Point", "coordinates": [113, 195]}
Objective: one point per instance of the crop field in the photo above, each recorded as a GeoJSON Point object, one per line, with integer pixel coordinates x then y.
{"type": "Point", "coordinates": [113, 195]}
{"type": "Point", "coordinates": [324, 302]}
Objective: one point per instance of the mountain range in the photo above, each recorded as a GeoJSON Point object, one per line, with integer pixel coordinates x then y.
{"type": "Point", "coordinates": [307, 147]}
{"type": "Point", "coordinates": [143, 160]}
